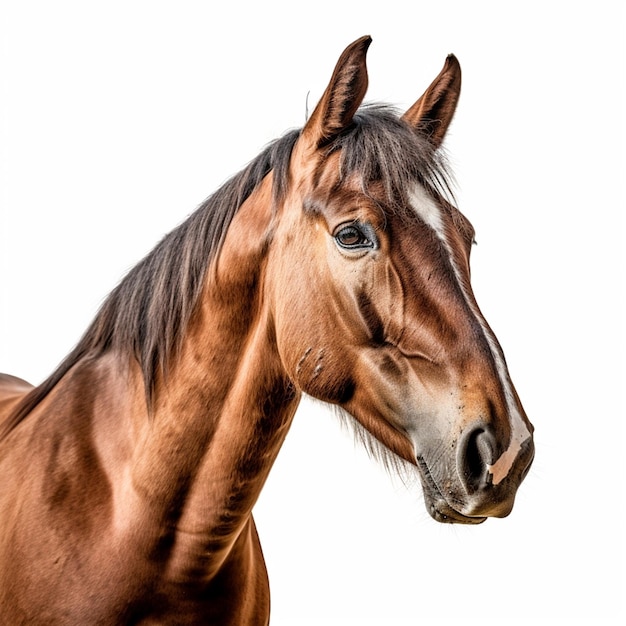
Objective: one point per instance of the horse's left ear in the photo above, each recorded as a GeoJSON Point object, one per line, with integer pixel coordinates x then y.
{"type": "Point", "coordinates": [433, 112]}
{"type": "Point", "coordinates": [342, 97]}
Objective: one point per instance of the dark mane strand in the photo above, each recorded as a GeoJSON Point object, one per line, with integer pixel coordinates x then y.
{"type": "Point", "coordinates": [146, 315]}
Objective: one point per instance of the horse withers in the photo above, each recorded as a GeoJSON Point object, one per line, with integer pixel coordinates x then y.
{"type": "Point", "coordinates": [335, 264]}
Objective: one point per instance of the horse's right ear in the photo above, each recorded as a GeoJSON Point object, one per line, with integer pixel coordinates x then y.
{"type": "Point", "coordinates": [342, 97]}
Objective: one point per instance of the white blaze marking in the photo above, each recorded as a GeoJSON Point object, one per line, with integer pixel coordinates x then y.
{"type": "Point", "coordinates": [430, 213]}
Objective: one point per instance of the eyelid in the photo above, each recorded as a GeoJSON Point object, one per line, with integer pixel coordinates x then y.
{"type": "Point", "coordinates": [365, 229]}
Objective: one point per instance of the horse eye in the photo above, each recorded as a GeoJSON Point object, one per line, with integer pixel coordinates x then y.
{"type": "Point", "coordinates": [354, 236]}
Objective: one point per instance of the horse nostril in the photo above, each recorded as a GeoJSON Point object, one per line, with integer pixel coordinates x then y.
{"type": "Point", "coordinates": [476, 452]}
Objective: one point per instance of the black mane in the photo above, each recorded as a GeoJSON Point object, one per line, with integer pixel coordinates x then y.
{"type": "Point", "coordinates": [147, 313]}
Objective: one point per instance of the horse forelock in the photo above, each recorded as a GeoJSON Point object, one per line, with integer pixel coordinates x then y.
{"type": "Point", "coordinates": [381, 147]}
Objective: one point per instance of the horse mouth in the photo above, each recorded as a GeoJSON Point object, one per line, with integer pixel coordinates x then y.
{"type": "Point", "coordinates": [437, 505]}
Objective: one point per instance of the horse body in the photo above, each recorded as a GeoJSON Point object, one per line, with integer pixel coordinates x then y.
{"type": "Point", "coordinates": [331, 266]}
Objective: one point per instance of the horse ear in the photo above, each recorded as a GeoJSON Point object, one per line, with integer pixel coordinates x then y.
{"type": "Point", "coordinates": [342, 97]}
{"type": "Point", "coordinates": [433, 112]}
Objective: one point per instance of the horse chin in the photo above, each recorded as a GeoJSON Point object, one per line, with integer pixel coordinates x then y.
{"type": "Point", "coordinates": [442, 512]}
{"type": "Point", "coordinates": [437, 506]}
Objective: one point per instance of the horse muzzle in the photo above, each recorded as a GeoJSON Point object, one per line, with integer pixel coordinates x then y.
{"type": "Point", "coordinates": [461, 489]}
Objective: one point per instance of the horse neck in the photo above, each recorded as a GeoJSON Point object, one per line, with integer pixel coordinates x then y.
{"type": "Point", "coordinates": [219, 419]}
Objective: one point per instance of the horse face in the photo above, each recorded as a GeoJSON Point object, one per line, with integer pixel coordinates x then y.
{"type": "Point", "coordinates": [378, 317]}
{"type": "Point", "coordinates": [375, 312]}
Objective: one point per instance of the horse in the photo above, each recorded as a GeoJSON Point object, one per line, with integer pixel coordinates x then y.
{"type": "Point", "coordinates": [335, 264]}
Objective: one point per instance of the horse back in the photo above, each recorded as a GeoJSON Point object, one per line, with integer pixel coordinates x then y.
{"type": "Point", "coordinates": [12, 390]}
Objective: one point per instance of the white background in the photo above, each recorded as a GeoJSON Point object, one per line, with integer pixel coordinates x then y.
{"type": "Point", "coordinates": [118, 118]}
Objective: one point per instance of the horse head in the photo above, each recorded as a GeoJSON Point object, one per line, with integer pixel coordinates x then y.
{"type": "Point", "coordinates": [368, 275]}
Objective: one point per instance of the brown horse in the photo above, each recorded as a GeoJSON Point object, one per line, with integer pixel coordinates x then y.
{"type": "Point", "coordinates": [334, 264]}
